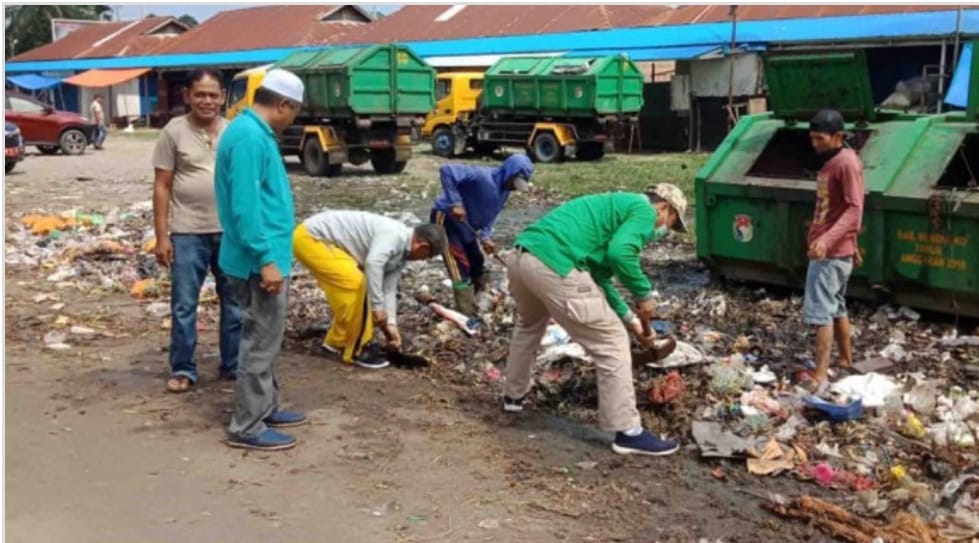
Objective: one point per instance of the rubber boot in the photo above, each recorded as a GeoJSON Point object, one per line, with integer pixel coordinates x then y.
{"type": "Point", "coordinates": [465, 298]}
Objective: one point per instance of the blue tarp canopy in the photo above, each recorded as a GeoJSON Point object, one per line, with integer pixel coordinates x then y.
{"type": "Point", "coordinates": [958, 90]}
{"type": "Point", "coordinates": [651, 53]}
{"type": "Point", "coordinates": [33, 82]}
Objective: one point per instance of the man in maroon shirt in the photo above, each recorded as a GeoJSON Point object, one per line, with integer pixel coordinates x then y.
{"type": "Point", "coordinates": [832, 242]}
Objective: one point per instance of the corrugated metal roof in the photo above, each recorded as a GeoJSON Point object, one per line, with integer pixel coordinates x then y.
{"type": "Point", "coordinates": [266, 27]}
{"type": "Point", "coordinates": [130, 38]}
{"type": "Point", "coordinates": [440, 22]}
{"type": "Point", "coordinates": [717, 13]}
{"type": "Point", "coordinates": [933, 25]}
{"type": "Point", "coordinates": [838, 29]}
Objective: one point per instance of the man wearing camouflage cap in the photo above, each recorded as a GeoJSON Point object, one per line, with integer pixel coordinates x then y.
{"type": "Point", "coordinates": [562, 269]}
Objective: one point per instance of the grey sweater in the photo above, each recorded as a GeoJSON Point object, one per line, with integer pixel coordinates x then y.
{"type": "Point", "coordinates": [379, 244]}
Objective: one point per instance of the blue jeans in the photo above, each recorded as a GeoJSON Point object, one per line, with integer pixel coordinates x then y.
{"type": "Point", "coordinates": [98, 135]}
{"type": "Point", "coordinates": [193, 255]}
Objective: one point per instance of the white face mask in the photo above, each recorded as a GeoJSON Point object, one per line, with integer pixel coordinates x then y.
{"type": "Point", "coordinates": [661, 232]}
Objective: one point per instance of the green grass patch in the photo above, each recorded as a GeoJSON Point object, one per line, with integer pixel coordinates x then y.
{"type": "Point", "coordinates": [618, 172]}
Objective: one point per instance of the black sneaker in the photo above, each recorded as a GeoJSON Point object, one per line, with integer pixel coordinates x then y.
{"type": "Point", "coordinates": [513, 405]}
{"type": "Point", "coordinates": [372, 359]}
{"type": "Point", "coordinates": [645, 443]}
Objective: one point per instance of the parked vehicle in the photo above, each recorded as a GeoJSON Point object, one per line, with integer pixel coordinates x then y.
{"type": "Point", "coordinates": [14, 146]}
{"type": "Point", "coordinates": [46, 128]}
{"type": "Point", "coordinates": [361, 104]}
{"type": "Point", "coordinates": [556, 107]}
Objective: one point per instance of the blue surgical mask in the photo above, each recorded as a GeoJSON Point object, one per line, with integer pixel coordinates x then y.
{"type": "Point", "coordinates": [661, 232]}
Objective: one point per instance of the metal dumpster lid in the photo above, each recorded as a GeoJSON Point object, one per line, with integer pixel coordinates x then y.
{"type": "Point", "coordinates": [801, 85]}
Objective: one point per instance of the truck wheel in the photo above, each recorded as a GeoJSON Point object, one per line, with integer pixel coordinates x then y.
{"type": "Point", "coordinates": [315, 160]}
{"type": "Point", "coordinates": [358, 156]}
{"type": "Point", "coordinates": [591, 151]}
{"type": "Point", "coordinates": [73, 142]}
{"type": "Point", "coordinates": [384, 162]}
{"type": "Point", "coordinates": [443, 142]}
{"type": "Point", "coordinates": [9, 166]}
{"type": "Point", "coordinates": [48, 149]}
{"type": "Point", "coordinates": [545, 148]}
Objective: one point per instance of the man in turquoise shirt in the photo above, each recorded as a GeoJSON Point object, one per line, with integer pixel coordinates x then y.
{"type": "Point", "coordinates": [254, 203]}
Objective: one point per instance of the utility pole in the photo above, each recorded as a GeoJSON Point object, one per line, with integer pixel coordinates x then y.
{"type": "Point", "coordinates": [733, 13]}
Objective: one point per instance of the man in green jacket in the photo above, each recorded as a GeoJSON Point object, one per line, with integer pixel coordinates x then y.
{"type": "Point", "coordinates": [563, 269]}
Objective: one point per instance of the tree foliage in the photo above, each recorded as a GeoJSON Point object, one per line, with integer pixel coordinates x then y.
{"type": "Point", "coordinates": [29, 26]}
{"type": "Point", "coordinates": [188, 20]}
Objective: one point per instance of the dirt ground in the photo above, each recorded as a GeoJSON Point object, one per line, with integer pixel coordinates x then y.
{"type": "Point", "coordinates": [98, 452]}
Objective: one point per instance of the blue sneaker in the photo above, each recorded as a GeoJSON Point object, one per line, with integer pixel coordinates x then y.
{"type": "Point", "coordinates": [644, 443]}
{"type": "Point", "coordinates": [269, 440]}
{"type": "Point", "coordinates": [285, 419]}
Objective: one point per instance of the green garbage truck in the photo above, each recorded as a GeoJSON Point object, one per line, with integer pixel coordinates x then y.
{"type": "Point", "coordinates": [361, 105]}
{"type": "Point", "coordinates": [920, 237]}
{"type": "Point", "coordinates": [555, 107]}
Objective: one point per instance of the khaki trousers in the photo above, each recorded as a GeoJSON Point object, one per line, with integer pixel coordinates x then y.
{"type": "Point", "coordinates": [579, 306]}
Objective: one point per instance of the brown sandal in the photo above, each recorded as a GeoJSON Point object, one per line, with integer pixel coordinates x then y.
{"type": "Point", "coordinates": [179, 384]}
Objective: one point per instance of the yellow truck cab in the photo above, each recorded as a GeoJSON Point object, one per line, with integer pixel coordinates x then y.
{"type": "Point", "coordinates": [456, 95]}
{"type": "Point", "coordinates": [243, 88]}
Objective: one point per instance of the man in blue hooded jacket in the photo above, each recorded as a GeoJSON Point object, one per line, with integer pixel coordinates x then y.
{"type": "Point", "coordinates": [471, 201]}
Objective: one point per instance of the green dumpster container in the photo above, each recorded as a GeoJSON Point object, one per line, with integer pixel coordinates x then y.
{"type": "Point", "coordinates": [376, 80]}
{"type": "Point", "coordinates": [563, 87]}
{"type": "Point", "coordinates": [920, 237]}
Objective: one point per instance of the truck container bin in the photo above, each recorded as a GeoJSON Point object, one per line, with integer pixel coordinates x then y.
{"type": "Point", "coordinates": [563, 87]}
{"type": "Point", "coordinates": [920, 234]}
{"type": "Point", "coordinates": [363, 82]}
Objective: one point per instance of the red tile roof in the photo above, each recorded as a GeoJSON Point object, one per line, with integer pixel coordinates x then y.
{"type": "Point", "coordinates": [420, 22]}
{"type": "Point", "coordinates": [266, 27]}
{"type": "Point", "coordinates": [716, 13]}
{"type": "Point", "coordinates": [124, 38]}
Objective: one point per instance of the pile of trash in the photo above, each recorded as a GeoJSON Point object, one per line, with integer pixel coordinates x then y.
{"type": "Point", "coordinates": [90, 251]}
{"type": "Point", "coordinates": [896, 436]}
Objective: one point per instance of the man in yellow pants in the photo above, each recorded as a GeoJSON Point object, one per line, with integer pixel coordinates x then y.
{"type": "Point", "coordinates": [357, 258]}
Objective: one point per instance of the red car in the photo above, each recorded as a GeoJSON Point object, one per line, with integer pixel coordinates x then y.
{"type": "Point", "coordinates": [47, 128]}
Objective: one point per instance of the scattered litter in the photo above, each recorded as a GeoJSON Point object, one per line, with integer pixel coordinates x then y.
{"type": "Point", "coordinates": [772, 460]}
{"type": "Point", "coordinates": [837, 522]}
{"type": "Point", "coordinates": [489, 524]}
{"type": "Point", "coordinates": [835, 412]}
{"type": "Point", "coordinates": [667, 389]}
{"type": "Point", "coordinates": [875, 364]}
{"type": "Point", "coordinates": [764, 376]}
{"type": "Point", "coordinates": [685, 354]}
{"type": "Point", "coordinates": [871, 388]}
{"type": "Point", "coordinates": [55, 341]}
{"type": "Point", "coordinates": [158, 310]}
{"type": "Point", "coordinates": [715, 442]}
